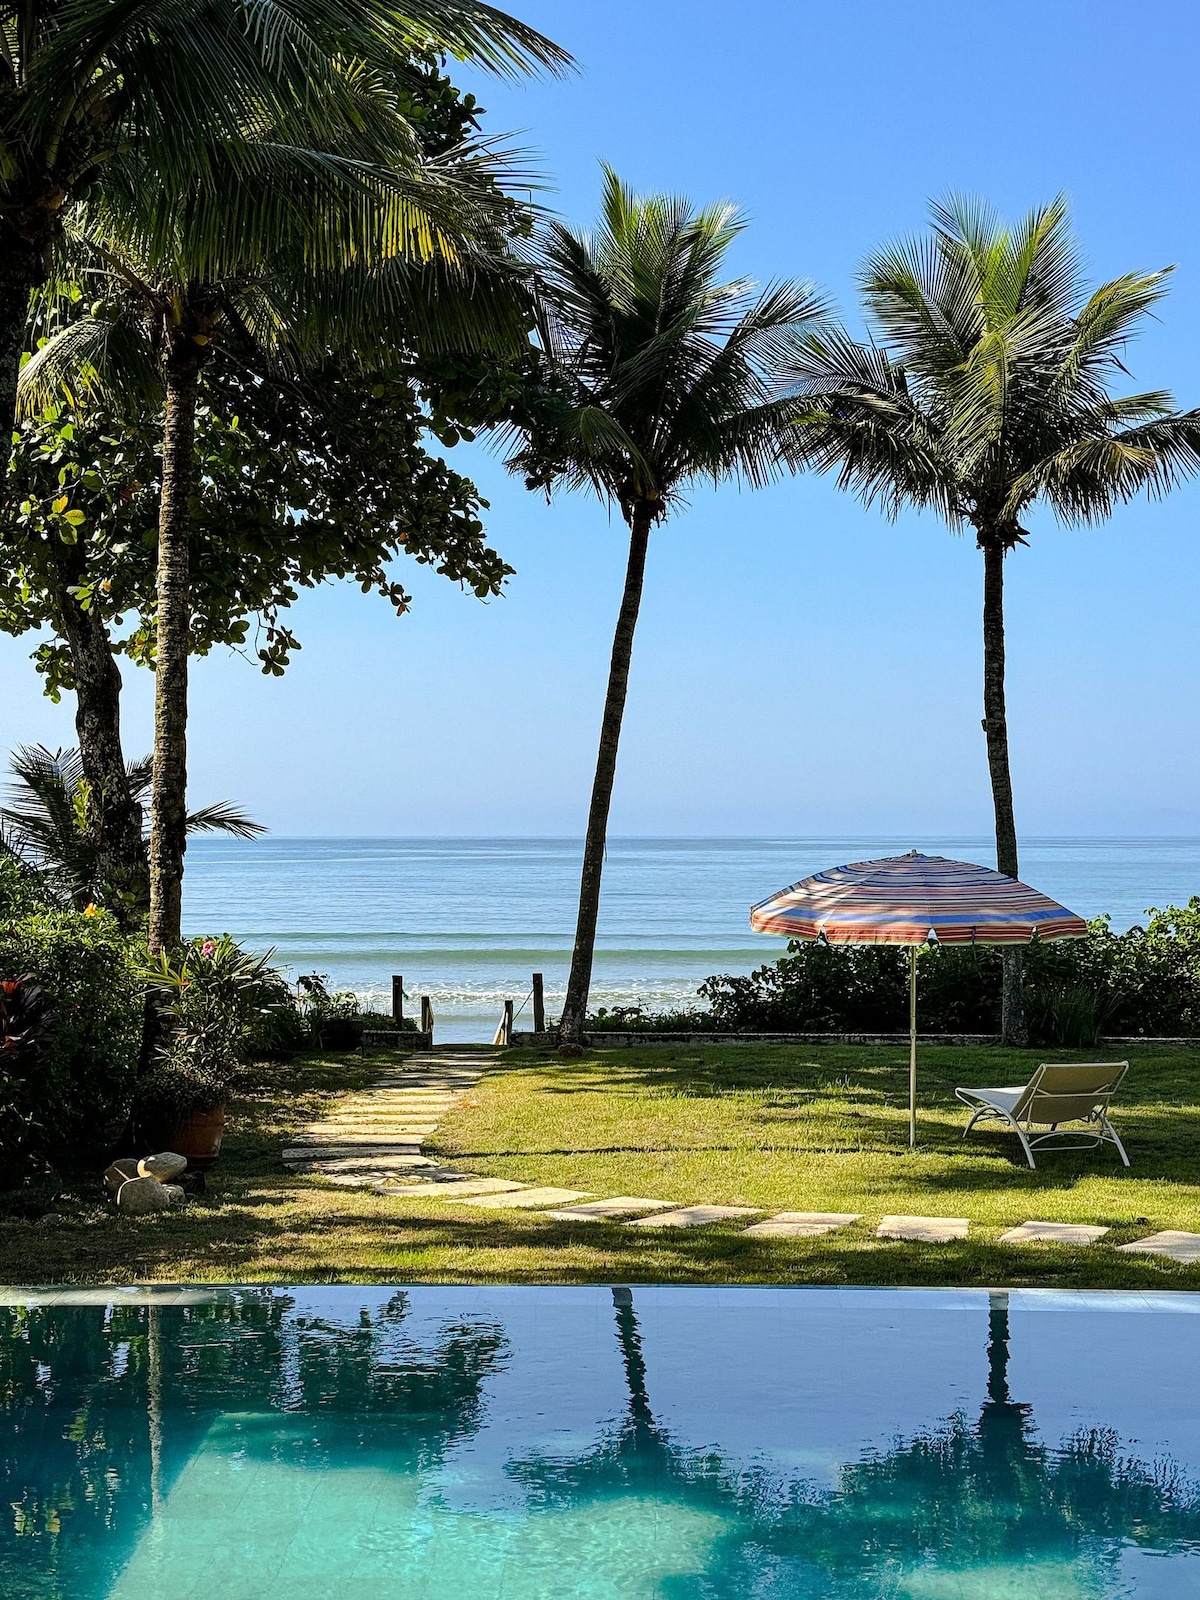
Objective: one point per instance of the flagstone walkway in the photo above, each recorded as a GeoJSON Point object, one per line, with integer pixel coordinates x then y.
{"type": "Point", "coordinates": [375, 1139]}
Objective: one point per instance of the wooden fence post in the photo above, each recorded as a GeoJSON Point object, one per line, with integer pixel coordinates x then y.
{"type": "Point", "coordinates": [539, 1004]}
{"type": "Point", "coordinates": [426, 1015]}
{"type": "Point", "coordinates": [397, 997]}
{"type": "Point", "coordinates": [504, 1032]}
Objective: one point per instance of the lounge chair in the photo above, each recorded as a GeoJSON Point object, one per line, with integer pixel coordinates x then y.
{"type": "Point", "coordinates": [1054, 1095]}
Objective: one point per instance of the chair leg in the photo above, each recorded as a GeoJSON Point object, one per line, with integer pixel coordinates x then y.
{"type": "Point", "coordinates": [1017, 1129]}
{"type": "Point", "coordinates": [1111, 1132]}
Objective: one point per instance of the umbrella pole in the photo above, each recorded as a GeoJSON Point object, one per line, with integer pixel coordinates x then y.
{"type": "Point", "coordinates": [912, 1047]}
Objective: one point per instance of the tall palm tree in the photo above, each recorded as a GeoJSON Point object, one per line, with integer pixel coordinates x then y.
{"type": "Point", "coordinates": [86, 82]}
{"type": "Point", "coordinates": [984, 389]}
{"type": "Point", "coordinates": [45, 825]}
{"type": "Point", "coordinates": [658, 373]}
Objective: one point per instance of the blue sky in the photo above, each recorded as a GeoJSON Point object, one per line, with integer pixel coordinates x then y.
{"type": "Point", "coordinates": [802, 666]}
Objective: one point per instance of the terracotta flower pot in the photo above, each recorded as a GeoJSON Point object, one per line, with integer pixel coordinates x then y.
{"type": "Point", "coordinates": [197, 1136]}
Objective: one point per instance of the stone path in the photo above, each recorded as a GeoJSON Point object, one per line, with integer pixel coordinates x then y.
{"type": "Point", "coordinates": [375, 1139]}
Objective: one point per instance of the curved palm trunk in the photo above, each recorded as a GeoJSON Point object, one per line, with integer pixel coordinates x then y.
{"type": "Point", "coordinates": [114, 817]}
{"type": "Point", "coordinates": [995, 726]}
{"type": "Point", "coordinates": [580, 979]}
{"type": "Point", "coordinates": [168, 794]}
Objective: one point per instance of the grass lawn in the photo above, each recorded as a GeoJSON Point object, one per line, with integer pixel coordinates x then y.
{"type": "Point", "coordinates": [776, 1126]}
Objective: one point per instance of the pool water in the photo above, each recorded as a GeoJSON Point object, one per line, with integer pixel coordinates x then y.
{"type": "Point", "coordinates": [644, 1444]}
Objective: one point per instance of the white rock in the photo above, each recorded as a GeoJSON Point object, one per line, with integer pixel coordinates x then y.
{"type": "Point", "coordinates": [138, 1197]}
{"type": "Point", "coordinates": [164, 1166]}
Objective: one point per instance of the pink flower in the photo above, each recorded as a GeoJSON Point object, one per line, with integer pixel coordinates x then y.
{"type": "Point", "coordinates": [208, 948]}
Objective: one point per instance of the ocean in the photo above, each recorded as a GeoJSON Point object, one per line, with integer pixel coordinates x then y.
{"type": "Point", "coordinates": [467, 921]}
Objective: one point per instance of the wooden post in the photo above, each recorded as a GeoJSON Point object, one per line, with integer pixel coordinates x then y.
{"type": "Point", "coordinates": [539, 1004]}
{"type": "Point", "coordinates": [504, 1032]}
{"type": "Point", "coordinates": [397, 997]}
{"type": "Point", "coordinates": [426, 1014]}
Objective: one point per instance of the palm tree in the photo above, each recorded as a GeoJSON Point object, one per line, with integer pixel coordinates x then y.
{"type": "Point", "coordinates": [84, 83]}
{"type": "Point", "coordinates": [985, 388]}
{"type": "Point", "coordinates": [657, 373]}
{"type": "Point", "coordinates": [46, 826]}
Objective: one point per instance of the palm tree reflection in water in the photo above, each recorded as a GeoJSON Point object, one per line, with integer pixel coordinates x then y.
{"type": "Point", "coordinates": [982, 1510]}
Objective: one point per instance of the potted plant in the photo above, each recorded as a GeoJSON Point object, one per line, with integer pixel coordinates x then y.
{"type": "Point", "coordinates": [207, 997]}
{"type": "Point", "coordinates": [335, 1019]}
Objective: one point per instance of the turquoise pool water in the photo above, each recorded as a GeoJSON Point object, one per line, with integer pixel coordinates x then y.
{"type": "Point", "coordinates": [652, 1444]}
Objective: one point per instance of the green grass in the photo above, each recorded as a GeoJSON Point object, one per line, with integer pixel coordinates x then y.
{"type": "Point", "coordinates": [774, 1126]}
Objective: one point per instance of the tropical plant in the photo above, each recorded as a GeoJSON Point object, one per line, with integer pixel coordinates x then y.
{"type": "Point", "coordinates": [184, 91]}
{"type": "Point", "coordinates": [984, 389]}
{"type": "Point", "coordinates": [655, 374]}
{"type": "Point", "coordinates": [268, 263]}
{"type": "Point", "coordinates": [46, 826]}
{"type": "Point", "coordinates": [297, 482]}
{"type": "Point", "coordinates": [211, 996]}
{"type": "Point", "coordinates": [73, 1099]}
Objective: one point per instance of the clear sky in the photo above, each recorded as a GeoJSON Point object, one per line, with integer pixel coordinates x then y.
{"type": "Point", "coordinates": [802, 665]}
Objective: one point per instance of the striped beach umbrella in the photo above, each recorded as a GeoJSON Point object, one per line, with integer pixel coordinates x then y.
{"type": "Point", "coordinates": [914, 900]}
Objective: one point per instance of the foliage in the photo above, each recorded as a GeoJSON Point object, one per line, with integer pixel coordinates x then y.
{"type": "Point", "coordinates": [299, 481]}
{"type": "Point", "coordinates": [22, 891]}
{"type": "Point", "coordinates": [1145, 981]}
{"type": "Point", "coordinates": [211, 997]}
{"type": "Point", "coordinates": [986, 382]}
{"type": "Point", "coordinates": [319, 1006]}
{"type": "Point", "coordinates": [74, 1095]}
{"type": "Point", "coordinates": [47, 826]}
{"type": "Point", "coordinates": [655, 373]}
{"type": "Point", "coordinates": [636, 1019]}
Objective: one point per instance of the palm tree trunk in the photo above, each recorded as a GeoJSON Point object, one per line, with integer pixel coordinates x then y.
{"type": "Point", "coordinates": [995, 726]}
{"type": "Point", "coordinates": [114, 817]}
{"type": "Point", "coordinates": [168, 793]}
{"type": "Point", "coordinates": [580, 980]}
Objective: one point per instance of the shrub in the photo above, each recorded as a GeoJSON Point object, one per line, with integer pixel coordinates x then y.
{"type": "Point", "coordinates": [74, 1091]}
{"type": "Point", "coordinates": [1144, 981]}
{"type": "Point", "coordinates": [212, 997]}
{"type": "Point", "coordinates": [22, 893]}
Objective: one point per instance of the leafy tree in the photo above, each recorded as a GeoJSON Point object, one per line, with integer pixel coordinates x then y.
{"type": "Point", "coordinates": [296, 483]}
{"type": "Point", "coordinates": [45, 826]}
{"type": "Point", "coordinates": [86, 85]}
{"type": "Point", "coordinates": [655, 374]}
{"type": "Point", "coordinates": [985, 388]}
{"type": "Point", "coordinates": [265, 268]}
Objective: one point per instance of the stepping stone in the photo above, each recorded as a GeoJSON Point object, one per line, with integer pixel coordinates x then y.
{"type": "Point", "coordinates": [368, 1163]}
{"type": "Point", "coordinates": [1053, 1233]}
{"type": "Point", "coordinates": [348, 1150]}
{"type": "Point", "coordinates": [622, 1205]}
{"type": "Point", "coordinates": [456, 1189]}
{"type": "Point", "coordinates": [528, 1199]}
{"type": "Point", "coordinates": [1181, 1247]}
{"type": "Point", "coordinates": [928, 1230]}
{"type": "Point", "coordinates": [336, 1137]}
{"type": "Point", "coordinates": [802, 1224]}
{"type": "Point", "coordinates": [694, 1216]}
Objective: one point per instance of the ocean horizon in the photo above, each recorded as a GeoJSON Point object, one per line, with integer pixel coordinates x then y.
{"type": "Point", "coordinates": [468, 919]}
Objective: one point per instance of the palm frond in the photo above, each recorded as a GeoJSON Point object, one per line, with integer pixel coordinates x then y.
{"type": "Point", "coordinates": [224, 817]}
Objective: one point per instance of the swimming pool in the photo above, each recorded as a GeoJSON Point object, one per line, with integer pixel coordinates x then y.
{"type": "Point", "coordinates": [644, 1444]}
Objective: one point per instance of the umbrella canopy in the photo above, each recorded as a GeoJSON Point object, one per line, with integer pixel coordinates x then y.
{"type": "Point", "coordinates": [914, 900]}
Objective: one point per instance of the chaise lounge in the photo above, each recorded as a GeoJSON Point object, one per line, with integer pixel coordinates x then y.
{"type": "Point", "coordinates": [1056, 1094]}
